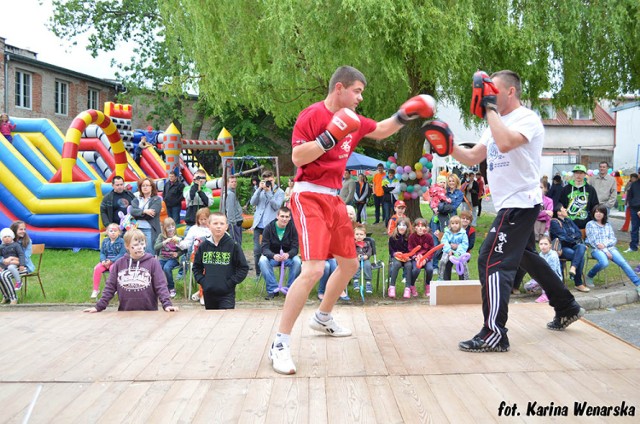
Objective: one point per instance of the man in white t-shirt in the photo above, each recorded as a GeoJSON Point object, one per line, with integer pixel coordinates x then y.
{"type": "Point", "coordinates": [512, 146]}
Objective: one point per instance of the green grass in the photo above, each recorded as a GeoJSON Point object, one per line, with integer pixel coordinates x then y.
{"type": "Point", "coordinates": [67, 276]}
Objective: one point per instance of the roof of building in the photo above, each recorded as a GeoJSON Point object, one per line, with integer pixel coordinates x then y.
{"type": "Point", "coordinates": [31, 61]}
{"type": "Point", "coordinates": [625, 106]}
{"type": "Point", "coordinates": [600, 119]}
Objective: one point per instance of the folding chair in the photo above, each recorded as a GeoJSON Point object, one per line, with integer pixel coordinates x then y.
{"type": "Point", "coordinates": [36, 249]}
{"type": "Point", "coordinates": [377, 266]}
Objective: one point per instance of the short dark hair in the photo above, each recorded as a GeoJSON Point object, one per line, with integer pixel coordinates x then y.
{"type": "Point", "coordinates": [511, 78]}
{"type": "Point", "coordinates": [347, 75]}
{"type": "Point", "coordinates": [117, 177]}
{"type": "Point", "coordinates": [284, 209]}
{"type": "Point", "coordinates": [267, 174]}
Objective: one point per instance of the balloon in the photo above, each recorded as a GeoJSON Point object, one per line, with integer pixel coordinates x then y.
{"type": "Point", "coordinates": [416, 187]}
{"type": "Point", "coordinates": [354, 172]}
{"type": "Point", "coordinates": [405, 177]}
{"type": "Point", "coordinates": [367, 172]}
{"type": "Point", "coordinates": [395, 155]}
{"type": "Point", "coordinates": [419, 175]}
{"type": "Point", "coordinates": [610, 170]}
{"type": "Point", "coordinates": [410, 188]}
{"type": "Point", "coordinates": [412, 175]}
{"type": "Point", "coordinates": [423, 161]}
{"type": "Point", "coordinates": [429, 157]}
{"type": "Point", "coordinates": [423, 182]}
{"type": "Point", "coordinates": [414, 195]}
{"type": "Point", "coordinates": [590, 172]}
{"type": "Point", "coordinates": [391, 159]}
{"type": "Point", "coordinates": [399, 169]}
{"type": "Point", "coordinates": [429, 165]}
{"type": "Point", "coordinates": [393, 166]}
{"type": "Point", "coordinates": [417, 166]}
{"type": "Point", "coordinates": [407, 168]}
{"type": "Point", "coordinates": [406, 195]}
{"type": "Point", "coordinates": [403, 187]}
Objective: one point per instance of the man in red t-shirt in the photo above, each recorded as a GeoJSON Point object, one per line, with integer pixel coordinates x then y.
{"type": "Point", "coordinates": [323, 137]}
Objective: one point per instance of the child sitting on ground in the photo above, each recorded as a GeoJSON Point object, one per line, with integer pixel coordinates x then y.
{"type": "Point", "coordinates": [551, 256]}
{"type": "Point", "coordinates": [168, 251]}
{"type": "Point", "coordinates": [137, 278]}
{"type": "Point", "coordinates": [219, 265]}
{"type": "Point", "coordinates": [364, 250]}
{"type": "Point", "coordinates": [111, 250]}
{"type": "Point", "coordinates": [12, 256]}
{"type": "Point", "coordinates": [455, 243]}
{"type": "Point", "coordinates": [420, 243]}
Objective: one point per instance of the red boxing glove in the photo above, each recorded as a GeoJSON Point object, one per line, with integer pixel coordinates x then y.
{"type": "Point", "coordinates": [423, 106]}
{"type": "Point", "coordinates": [484, 94]}
{"type": "Point", "coordinates": [344, 122]}
{"type": "Point", "coordinates": [439, 137]}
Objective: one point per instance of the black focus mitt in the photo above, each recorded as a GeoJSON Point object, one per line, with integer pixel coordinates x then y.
{"type": "Point", "coordinates": [439, 137]}
{"type": "Point", "coordinates": [484, 94]}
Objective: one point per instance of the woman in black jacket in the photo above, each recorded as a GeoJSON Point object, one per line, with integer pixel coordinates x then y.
{"type": "Point", "coordinates": [362, 196]}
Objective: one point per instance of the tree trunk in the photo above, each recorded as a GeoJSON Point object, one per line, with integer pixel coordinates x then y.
{"type": "Point", "coordinates": [409, 152]}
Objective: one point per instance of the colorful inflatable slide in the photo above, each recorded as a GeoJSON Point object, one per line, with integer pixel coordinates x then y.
{"type": "Point", "coordinates": [55, 183]}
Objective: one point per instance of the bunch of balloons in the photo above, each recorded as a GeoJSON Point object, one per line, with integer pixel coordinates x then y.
{"type": "Point", "coordinates": [590, 172]}
{"type": "Point", "coordinates": [416, 180]}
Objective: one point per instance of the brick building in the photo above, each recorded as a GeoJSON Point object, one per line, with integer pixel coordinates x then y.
{"type": "Point", "coordinates": [30, 88]}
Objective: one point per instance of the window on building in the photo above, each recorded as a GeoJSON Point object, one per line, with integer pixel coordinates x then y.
{"type": "Point", "coordinates": [92, 98]}
{"type": "Point", "coordinates": [580, 113]}
{"type": "Point", "coordinates": [23, 89]}
{"type": "Point", "coordinates": [546, 111]}
{"type": "Point", "coordinates": [62, 98]}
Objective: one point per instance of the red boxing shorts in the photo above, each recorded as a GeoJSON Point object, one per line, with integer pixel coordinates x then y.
{"type": "Point", "coordinates": [324, 228]}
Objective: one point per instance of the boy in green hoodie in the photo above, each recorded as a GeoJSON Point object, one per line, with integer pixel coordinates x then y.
{"type": "Point", "coordinates": [219, 265]}
{"type": "Point", "coordinates": [579, 198]}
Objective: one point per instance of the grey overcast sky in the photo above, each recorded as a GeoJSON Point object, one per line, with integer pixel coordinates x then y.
{"type": "Point", "coordinates": [24, 27]}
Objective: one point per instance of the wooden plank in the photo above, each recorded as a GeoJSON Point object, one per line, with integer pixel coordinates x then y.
{"type": "Point", "coordinates": [176, 403]}
{"type": "Point", "coordinates": [244, 356]}
{"type": "Point", "coordinates": [195, 328]}
{"type": "Point", "coordinates": [15, 398]}
{"type": "Point", "coordinates": [223, 402]}
{"type": "Point", "coordinates": [348, 400]}
{"type": "Point", "coordinates": [257, 401]}
{"type": "Point", "coordinates": [318, 401]}
{"type": "Point", "coordinates": [89, 405]}
{"type": "Point", "coordinates": [289, 401]}
{"type": "Point", "coordinates": [385, 406]}
{"type": "Point", "coordinates": [387, 348]}
{"type": "Point", "coordinates": [416, 401]}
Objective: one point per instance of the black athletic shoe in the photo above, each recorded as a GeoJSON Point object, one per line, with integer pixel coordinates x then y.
{"type": "Point", "coordinates": [560, 322]}
{"type": "Point", "coordinates": [478, 345]}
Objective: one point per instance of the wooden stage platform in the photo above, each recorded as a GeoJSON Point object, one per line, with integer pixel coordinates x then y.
{"type": "Point", "coordinates": [402, 364]}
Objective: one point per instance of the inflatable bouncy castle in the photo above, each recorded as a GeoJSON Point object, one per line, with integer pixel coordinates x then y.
{"type": "Point", "coordinates": [55, 182]}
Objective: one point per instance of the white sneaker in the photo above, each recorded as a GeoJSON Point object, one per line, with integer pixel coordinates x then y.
{"type": "Point", "coordinates": [94, 294]}
{"type": "Point", "coordinates": [281, 361]}
{"type": "Point", "coordinates": [195, 297]}
{"type": "Point", "coordinates": [202, 301]}
{"type": "Point", "coordinates": [330, 327]}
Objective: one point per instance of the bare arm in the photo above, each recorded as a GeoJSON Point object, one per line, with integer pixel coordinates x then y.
{"type": "Point", "coordinates": [505, 138]}
{"type": "Point", "coordinates": [385, 128]}
{"type": "Point", "coordinates": [471, 156]}
{"type": "Point", "coordinates": [306, 153]}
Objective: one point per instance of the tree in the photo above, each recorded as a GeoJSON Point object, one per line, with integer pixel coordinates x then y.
{"type": "Point", "coordinates": [277, 55]}
{"type": "Point", "coordinates": [157, 72]}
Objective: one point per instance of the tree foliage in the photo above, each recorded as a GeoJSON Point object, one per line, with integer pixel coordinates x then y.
{"type": "Point", "coordinates": [277, 55]}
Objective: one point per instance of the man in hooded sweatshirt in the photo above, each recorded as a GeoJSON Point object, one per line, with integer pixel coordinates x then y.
{"type": "Point", "coordinates": [138, 279]}
{"type": "Point", "coordinates": [219, 265]}
{"type": "Point", "coordinates": [579, 198]}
